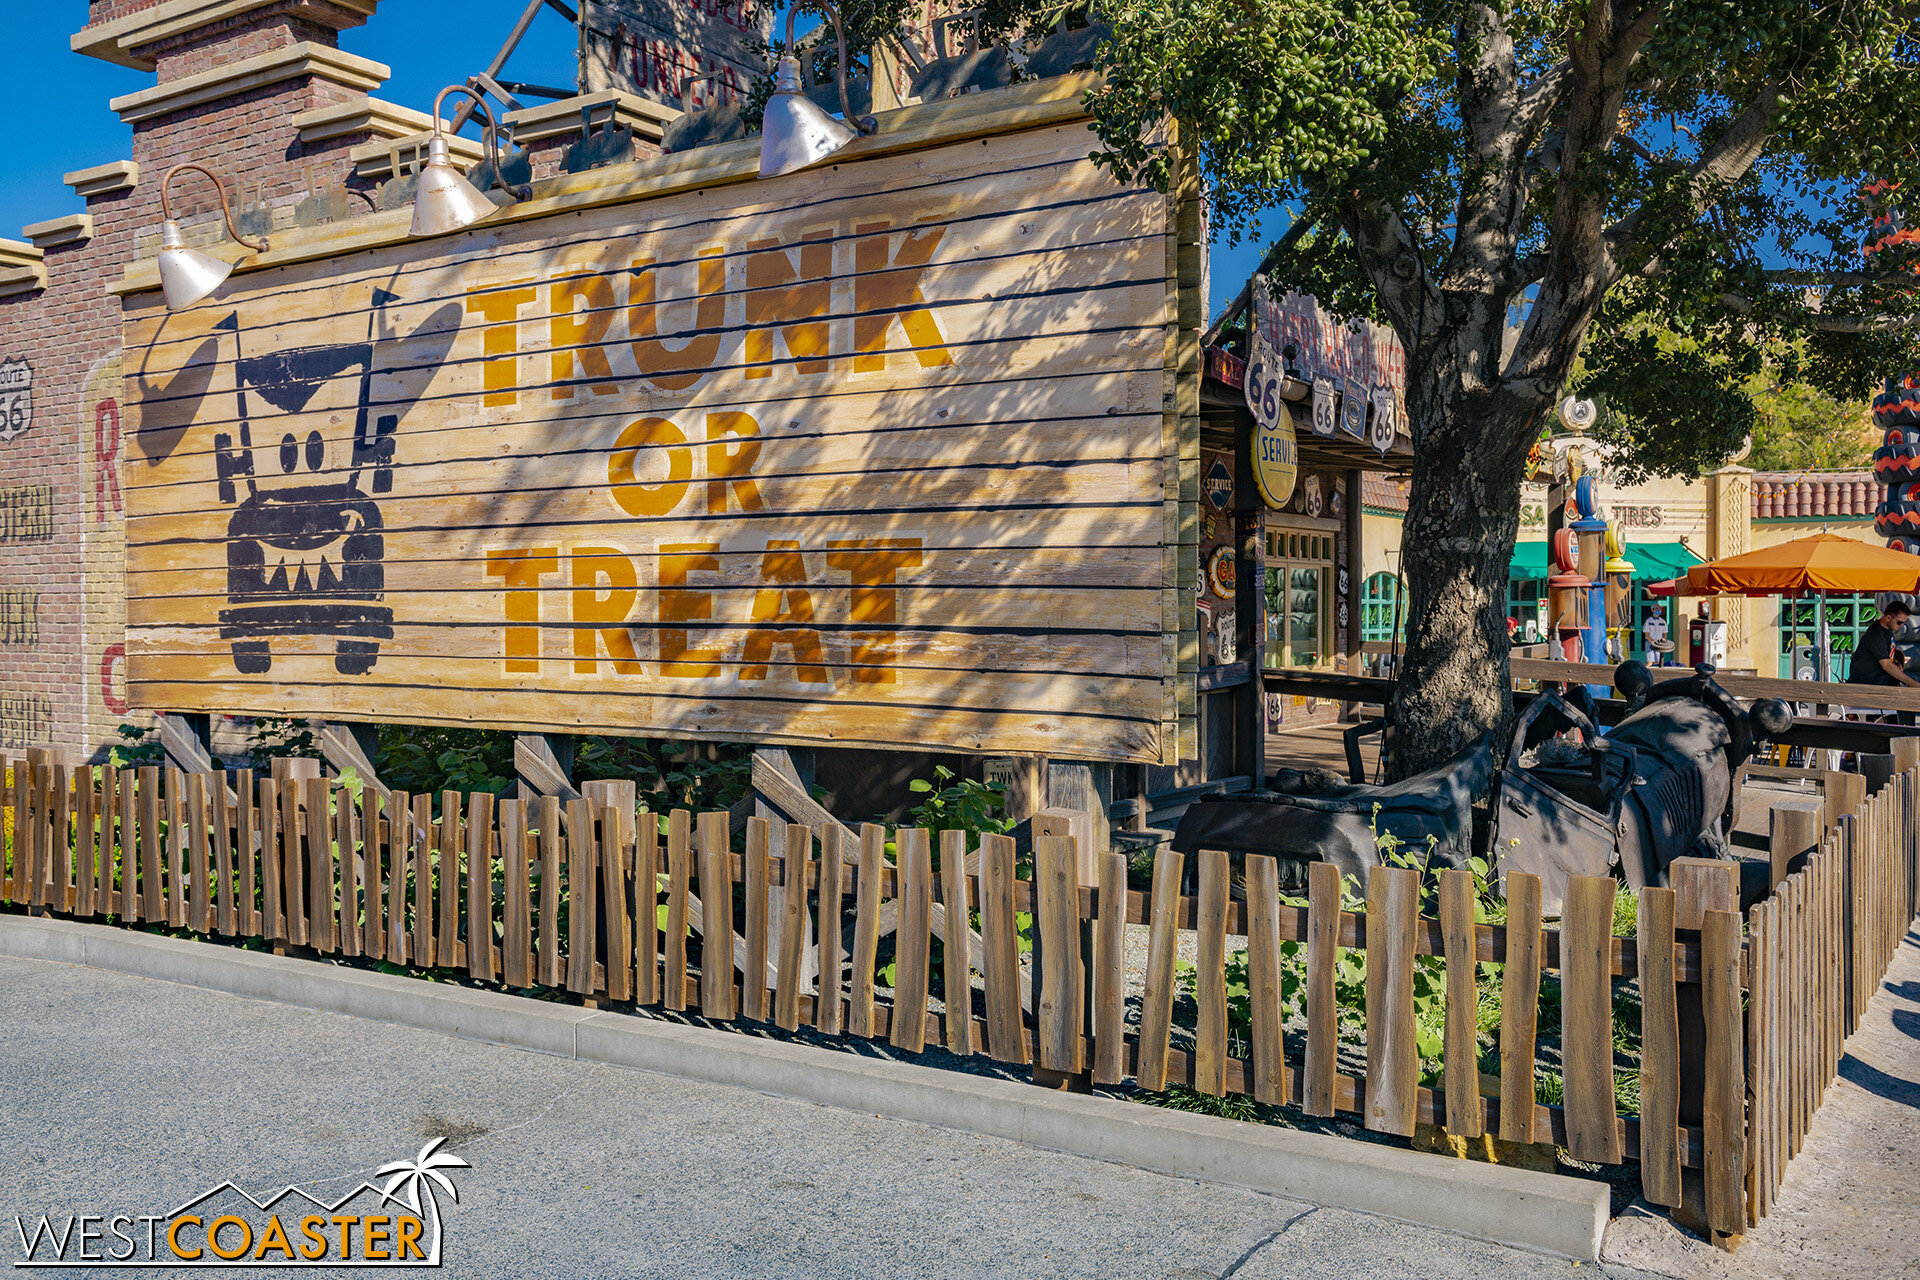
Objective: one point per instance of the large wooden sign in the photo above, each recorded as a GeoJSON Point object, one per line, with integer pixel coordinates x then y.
{"type": "Point", "coordinates": [870, 454]}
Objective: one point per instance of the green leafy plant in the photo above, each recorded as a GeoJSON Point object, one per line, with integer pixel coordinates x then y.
{"type": "Point", "coordinates": [969, 804]}
{"type": "Point", "coordinates": [270, 738]}
{"type": "Point", "coordinates": [137, 747]}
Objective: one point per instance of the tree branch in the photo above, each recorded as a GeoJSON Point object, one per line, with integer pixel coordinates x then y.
{"type": "Point", "coordinates": [1724, 162]}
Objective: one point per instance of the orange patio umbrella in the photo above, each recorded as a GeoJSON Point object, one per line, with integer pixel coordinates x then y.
{"type": "Point", "coordinates": [1823, 562]}
{"type": "Point", "coordinates": [1819, 564]}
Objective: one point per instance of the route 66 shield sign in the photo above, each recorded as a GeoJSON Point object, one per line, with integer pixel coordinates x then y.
{"type": "Point", "coordinates": [16, 398]}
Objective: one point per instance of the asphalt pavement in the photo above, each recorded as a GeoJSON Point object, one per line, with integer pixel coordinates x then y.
{"type": "Point", "coordinates": [124, 1094]}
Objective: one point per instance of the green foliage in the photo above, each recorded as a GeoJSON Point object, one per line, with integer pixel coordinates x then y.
{"type": "Point", "coordinates": [670, 775]}
{"type": "Point", "coordinates": [137, 747]}
{"type": "Point", "coordinates": [1233, 1106]}
{"type": "Point", "coordinates": [970, 805]}
{"type": "Point", "coordinates": [423, 761]}
{"type": "Point", "coordinates": [1547, 153]}
{"type": "Point", "coordinates": [269, 737]}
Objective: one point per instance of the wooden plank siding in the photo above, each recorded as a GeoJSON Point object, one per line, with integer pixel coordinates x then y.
{"type": "Point", "coordinates": [895, 453]}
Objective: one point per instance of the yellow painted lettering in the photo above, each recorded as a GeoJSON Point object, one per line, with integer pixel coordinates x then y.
{"type": "Point", "coordinates": [246, 1239]}
{"type": "Point", "coordinates": [781, 611]}
{"type": "Point", "coordinates": [313, 1227]}
{"type": "Point", "coordinates": [729, 467]}
{"type": "Point", "coordinates": [575, 336]}
{"type": "Point", "coordinates": [346, 1222]}
{"type": "Point", "coordinates": [679, 603]}
{"type": "Point", "coordinates": [872, 565]}
{"type": "Point", "coordinates": [792, 304]}
{"type": "Point", "coordinates": [678, 365]}
{"type": "Point", "coordinates": [376, 1235]}
{"type": "Point", "coordinates": [886, 288]}
{"type": "Point", "coordinates": [522, 568]}
{"type": "Point", "coordinates": [601, 619]}
{"type": "Point", "coordinates": [500, 340]}
{"type": "Point", "coordinates": [407, 1242]}
{"type": "Point", "coordinates": [634, 496]}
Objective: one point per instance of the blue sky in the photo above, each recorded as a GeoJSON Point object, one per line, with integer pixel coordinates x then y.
{"type": "Point", "coordinates": [64, 122]}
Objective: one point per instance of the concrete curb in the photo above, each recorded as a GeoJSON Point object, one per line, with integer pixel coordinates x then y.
{"type": "Point", "coordinates": [1539, 1211]}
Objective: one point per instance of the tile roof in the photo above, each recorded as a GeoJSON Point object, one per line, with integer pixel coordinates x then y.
{"type": "Point", "coordinates": [1381, 493]}
{"type": "Point", "coordinates": [1815, 495]}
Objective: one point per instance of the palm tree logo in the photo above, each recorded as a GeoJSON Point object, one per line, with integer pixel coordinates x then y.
{"type": "Point", "coordinates": [413, 1181]}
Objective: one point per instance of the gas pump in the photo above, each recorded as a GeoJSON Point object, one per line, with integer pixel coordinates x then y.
{"type": "Point", "coordinates": [1619, 599]}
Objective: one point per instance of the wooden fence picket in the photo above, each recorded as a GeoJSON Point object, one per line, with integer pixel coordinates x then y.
{"type": "Point", "coordinates": [1109, 964]}
{"type": "Point", "coordinates": [447, 948]}
{"type": "Point", "coordinates": [152, 905]}
{"type": "Point", "coordinates": [200, 854]}
{"type": "Point", "coordinates": [1520, 1008]}
{"type": "Point", "coordinates": [1724, 1115]}
{"type": "Point", "coordinates": [1000, 951]}
{"type": "Point", "coordinates": [479, 858]}
{"type": "Point", "coordinates": [294, 885]}
{"type": "Point", "coordinates": [87, 838]}
{"type": "Point", "coordinates": [912, 939]}
{"type": "Point", "coordinates": [553, 966]}
{"type": "Point", "coordinates": [422, 852]}
{"type": "Point", "coordinates": [370, 827]}
{"type": "Point", "coordinates": [132, 852]}
{"type": "Point", "coordinates": [716, 917]}
{"type": "Point", "coordinates": [60, 864]}
{"type": "Point", "coordinates": [679, 889]}
{"type": "Point", "coordinates": [616, 896]}
{"type": "Point", "coordinates": [516, 929]}
{"type": "Point", "coordinates": [175, 807]}
{"type": "Point", "coordinates": [1268, 1057]}
{"type": "Point", "coordinates": [795, 859]}
{"type": "Point", "coordinates": [1210, 981]}
{"type": "Point", "coordinates": [1163, 940]}
{"type": "Point", "coordinates": [1659, 1050]}
{"type": "Point", "coordinates": [581, 907]}
{"type": "Point", "coordinates": [756, 873]}
{"type": "Point", "coordinates": [399, 807]}
{"type": "Point", "coordinates": [1586, 1019]}
{"type": "Point", "coordinates": [1461, 1040]}
{"type": "Point", "coordinates": [1393, 1058]}
{"type": "Point", "coordinates": [1059, 1001]}
{"type": "Point", "coordinates": [866, 930]}
{"type": "Point", "coordinates": [646, 909]}
{"type": "Point", "coordinates": [828, 1005]}
{"type": "Point", "coordinates": [220, 820]}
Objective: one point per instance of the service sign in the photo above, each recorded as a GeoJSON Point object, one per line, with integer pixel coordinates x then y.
{"type": "Point", "coordinates": [1276, 453]}
{"type": "Point", "coordinates": [870, 454]}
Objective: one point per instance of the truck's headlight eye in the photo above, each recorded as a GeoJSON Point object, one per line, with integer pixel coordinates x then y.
{"type": "Point", "coordinates": [289, 455]}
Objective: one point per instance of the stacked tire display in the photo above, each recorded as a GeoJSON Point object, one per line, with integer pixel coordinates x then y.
{"type": "Point", "coordinates": [1896, 411]}
{"type": "Point", "coordinates": [1896, 463]}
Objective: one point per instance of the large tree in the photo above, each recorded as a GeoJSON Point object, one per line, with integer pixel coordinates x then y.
{"type": "Point", "coordinates": [1510, 184]}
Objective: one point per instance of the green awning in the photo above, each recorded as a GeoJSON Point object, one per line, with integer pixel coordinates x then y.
{"type": "Point", "coordinates": [1652, 561]}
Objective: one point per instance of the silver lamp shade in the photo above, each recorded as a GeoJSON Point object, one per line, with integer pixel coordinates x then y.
{"type": "Point", "coordinates": [187, 275]}
{"type": "Point", "coordinates": [795, 133]}
{"type": "Point", "coordinates": [444, 200]}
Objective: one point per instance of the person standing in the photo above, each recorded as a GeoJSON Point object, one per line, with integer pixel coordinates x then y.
{"type": "Point", "coordinates": [1876, 659]}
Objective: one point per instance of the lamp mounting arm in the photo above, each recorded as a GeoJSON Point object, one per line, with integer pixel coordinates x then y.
{"type": "Point", "coordinates": [166, 205]}
{"type": "Point", "coordinates": [865, 124]}
{"type": "Point", "coordinates": [491, 129]}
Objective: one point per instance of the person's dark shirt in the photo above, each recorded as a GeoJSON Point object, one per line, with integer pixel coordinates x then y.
{"type": "Point", "coordinates": [1876, 644]}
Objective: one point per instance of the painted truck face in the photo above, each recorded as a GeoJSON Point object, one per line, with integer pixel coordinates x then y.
{"type": "Point", "coordinates": [305, 546]}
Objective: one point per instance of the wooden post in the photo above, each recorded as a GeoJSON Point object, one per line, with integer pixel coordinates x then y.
{"type": "Point", "coordinates": [1794, 829]}
{"type": "Point", "coordinates": [544, 764]}
{"type": "Point", "coordinates": [1055, 823]}
{"type": "Point", "coordinates": [1700, 885]}
{"type": "Point", "coordinates": [1249, 607]}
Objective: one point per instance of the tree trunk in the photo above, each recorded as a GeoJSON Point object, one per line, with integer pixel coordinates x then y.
{"type": "Point", "coordinates": [1462, 517]}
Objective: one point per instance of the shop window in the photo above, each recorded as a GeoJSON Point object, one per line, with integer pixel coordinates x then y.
{"type": "Point", "coordinates": [1299, 592]}
{"type": "Point", "coordinates": [1848, 618]}
{"type": "Point", "coordinates": [1381, 619]}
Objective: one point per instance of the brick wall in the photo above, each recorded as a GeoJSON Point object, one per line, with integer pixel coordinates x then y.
{"type": "Point", "coordinates": [62, 531]}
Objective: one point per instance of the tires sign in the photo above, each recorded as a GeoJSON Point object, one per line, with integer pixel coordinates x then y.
{"type": "Point", "coordinates": [16, 398]}
{"type": "Point", "coordinates": [1276, 457]}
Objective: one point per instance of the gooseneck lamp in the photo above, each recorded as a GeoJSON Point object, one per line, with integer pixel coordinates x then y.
{"type": "Point", "coordinates": [444, 200]}
{"type": "Point", "coordinates": [187, 275]}
{"type": "Point", "coordinates": [794, 132]}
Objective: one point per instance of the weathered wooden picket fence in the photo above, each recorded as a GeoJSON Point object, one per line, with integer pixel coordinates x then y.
{"type": "Point", "coordinates": [1741, 1028]}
